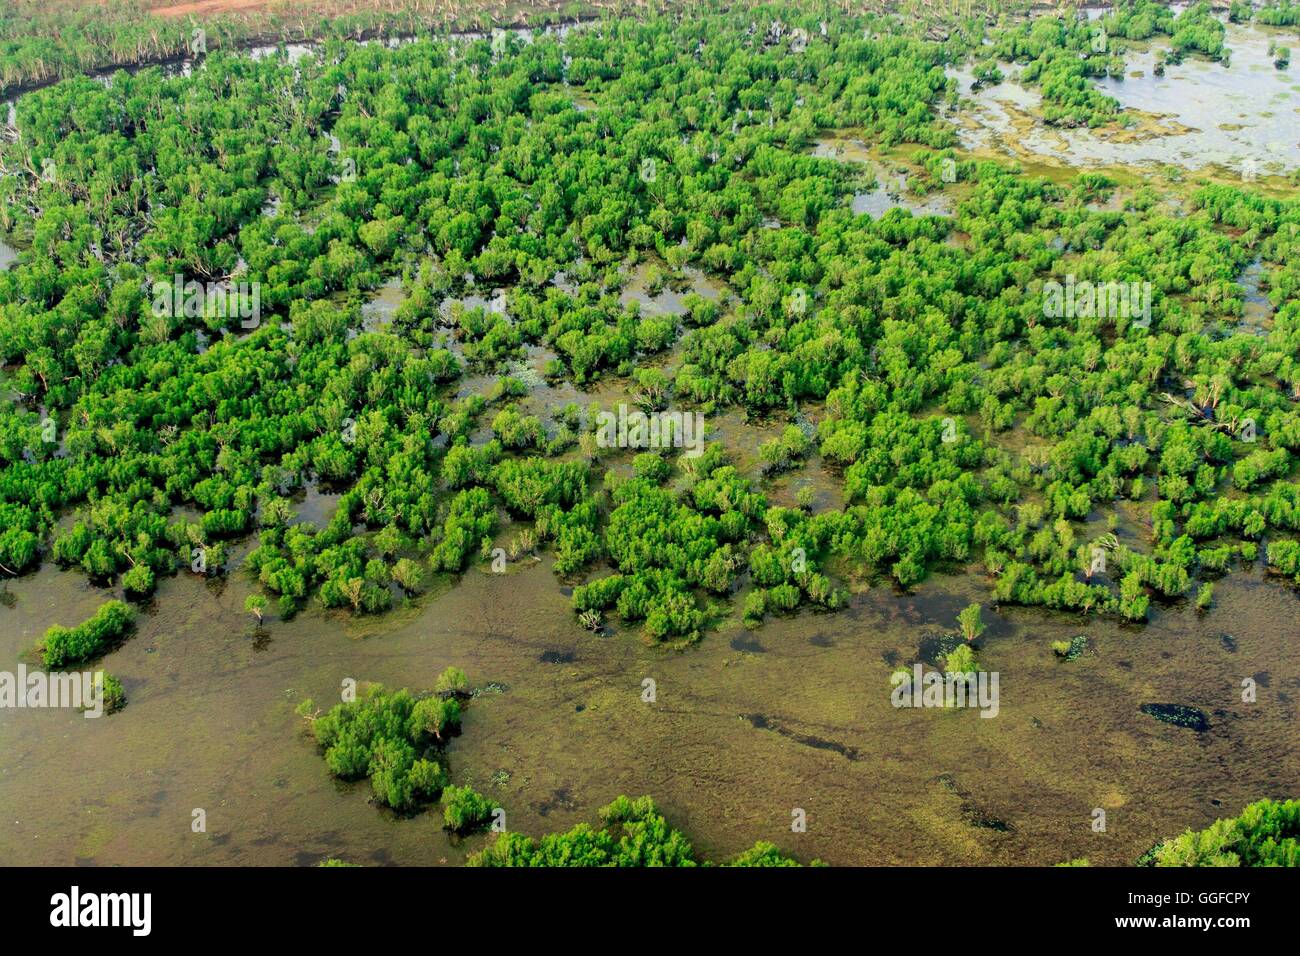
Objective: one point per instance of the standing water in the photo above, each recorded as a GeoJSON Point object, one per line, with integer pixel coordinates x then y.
{"type": "Point", "coordinates": [1199, 114]}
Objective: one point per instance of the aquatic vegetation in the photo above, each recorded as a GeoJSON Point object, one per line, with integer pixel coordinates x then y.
{"type": "Point", "coordinates": [42, 40]}
{"type": "Point", "coordinates": [764, 853]}
{"type": "Point", "coordinates": [1059, 56]}
{"type": "Point", "coordinates": [1277, 13]}
{"type": "Point", "coordinates": [968, 418]}
{"type": "Point", "coordinates": [971, 622]}
{"type": "Point", "coordinates": [255, 604]}
{"type": "Point", "coordinates": [392, 737]}
{"type": "Point", "coordinates": [632, 833]}
{"type": "Point", "coordinates": [1205, 596]}
{"type": "Point", "coordinates": [465, 251]}
{"type": "Point", "coordinates": [465, 809]}
{"type": "Point", "coordinates": [781, 453]}
{"type": "Point", "coordinates": [1072, 649]}
{"type": "Point", "coordinates": [961, 660]}
{"type": "Point", "coordinates": [114, 694]}
{"type": "Point", "coordinates": [1266, 833]}
{"type": "Point", "coordinates": [452, 683]}
{"type": "Point", "coordinates": [65, 646]}
{"type": "Point", "coordinates": [1179, 715]}
{"type": "Point", "coordinates": [1197, 30]}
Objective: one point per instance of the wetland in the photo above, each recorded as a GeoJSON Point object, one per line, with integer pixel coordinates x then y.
{"type": "Point", "coordinates": [860, 272]}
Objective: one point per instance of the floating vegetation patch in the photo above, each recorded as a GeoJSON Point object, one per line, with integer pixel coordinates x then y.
{"type": "Point", "coordinates": [1072, 649]}
{"type": "Point", "coordinates": [1179, 715]}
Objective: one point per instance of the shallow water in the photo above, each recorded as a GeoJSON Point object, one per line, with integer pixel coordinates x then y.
{"type": "Point", "coordinates": [315, 505]}
{"type": "Point", "coordinates": [799, 716]}
{"type": "Point", "coordinates": [377, 312]}
{"type": "Point", "coordinates": [891, 188]}
{"type": "Point", "coordinates": [667, 297]}
{"type": "Point", "coordinates": [1207, 114]}
{"type": "Point", "coordinates": [1257, 311]}
{"type": "Point", "coordinates": [747, 725]}
{"type": "Point", "coordinates": [876, 202]}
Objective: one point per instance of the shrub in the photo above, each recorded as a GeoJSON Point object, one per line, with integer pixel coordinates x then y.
{"type": "Point", "coordinates": [72, 645]}
{"type": "Point", "coordinates": [1266, 833]}
{"type": "Point", "coordinates": [466, 810]}
{"type": "Point", "coordinates": [383, 735]}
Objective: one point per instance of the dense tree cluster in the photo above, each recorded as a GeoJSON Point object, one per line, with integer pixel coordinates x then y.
{"type": "Point", "coordinates": [632, 833]}
{"type": "Point", "coordinates": [1277, 13]}
{"type": "Point", "coordinates": [1266, 833]}
{"type": "Point", "coordinates": [44, 39]}
{"type": "Point", "coordinates": [66, 646]}
{"type": "Point", "coordinates": [1062, 54]}
{"type": "Point", "coordinates": [914, 355]}
{"type": "Point", "coordinates": [396, 739]}
{"type": "Point", "coordinates": [466, 810]}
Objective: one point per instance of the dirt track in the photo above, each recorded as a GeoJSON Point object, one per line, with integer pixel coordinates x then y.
{"type": "Point", "coordinates": [207, 8]}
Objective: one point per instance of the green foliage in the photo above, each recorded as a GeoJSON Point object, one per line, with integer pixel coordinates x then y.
{"type": "Point", "coordinates": [66, 646]}
{"type": "Point", "coordinates": [961, 660]}
{"type": "Point", "coordinates": [780, 453]}
{"type": "Point", "coordinates": [409, 575]}
{"type": "Point", "coordinates": [139, 581]}
{"type": "Point", "coordinates": [1265, 833]}
{"type": "Point", "coordinates": [971, 622]}
{"type": "Point", "coordinates": [1072, 649]}
{"type": "Point", "coordinates": [471, 518]}
{"type": "Point", "coordinates": [1278, 13]}
{"type": "Point", "coordinates": [255, 604]}
{"type": "Point", "coordinates": [1055, 52]}
{"type": "Point", "coordinates": [1197, 30]}
{"type": "Point", "coordinates": [911, 366]}
{"type": "Point", "coordinates": [633, 833]}
{"type": "Point", "coordinates": [465, 810]}
{"type": "Point", "coordinates": [763, 853]}
{"type": "Point", "coordinates": [391, 737]}
{"type": "Point", "coordinates": [1205, 596]}
{"type": "Point", "coordinates": [114, 694]}
{"type": "Point", "coordinates": [452, 682]}
{"type": "Point", "coordinates": [40, 42]}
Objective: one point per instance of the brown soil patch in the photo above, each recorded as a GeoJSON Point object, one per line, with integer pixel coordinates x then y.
{"type": "Point", "coordinates": [208, 8]}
